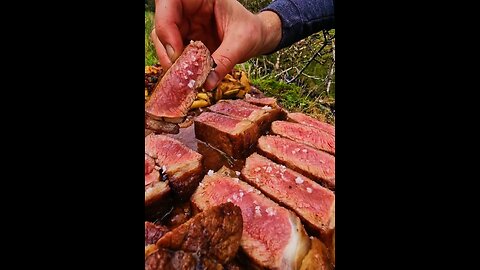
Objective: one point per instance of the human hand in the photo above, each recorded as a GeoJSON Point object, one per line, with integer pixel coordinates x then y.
{"type": "Point", "coordinates": [229, 30]}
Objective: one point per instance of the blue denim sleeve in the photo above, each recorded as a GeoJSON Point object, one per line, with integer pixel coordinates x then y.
{"type": "Point", "coordinates": [301, 18]}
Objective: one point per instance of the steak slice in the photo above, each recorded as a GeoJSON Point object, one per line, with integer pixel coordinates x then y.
{"type": "Point", "coordinates": [317, 257]}
{"type": "Point", "coordinates": [214, 233]}
{"type": "Point", "coordinates": [310, 121]}
{"type": "Point", "coordinates": [159, 126]}
{"type": "Point", "coordinates": [314, 204]}
{"type": "Point", "coordinates": [153, 232]}
{"type": "Point", "coordinates": [207, 241]}
{"type": "Point", "coordinates": [149, 165]}
{"type": "Point", "coordinates": [310, 136]}
{"type": "Point", "coordinates": [311, 162]}
{"type": "Point", "coordinates": [230, 135]}
{"type": "Point", "coordinates": [237, 109]}
{"type": "Point", "coordinates": [176, 91]}
{"type": "Point", "coordinates": [155, 189]}
{"type": "Point", "coordinates": [265, 101]}
{"type": "Point", "coordinates": [156, 192]}
{"type": "Point", "coordinates": [242, 110]}
{"type": "Point", "coordinates": [182, 165]}
{"type": "Point", "coordinates": [164, 259]}
{"type": "Point", "coordinates": [273, 237]}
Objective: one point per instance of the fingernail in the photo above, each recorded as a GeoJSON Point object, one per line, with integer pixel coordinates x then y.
{"type": "Point", "coordinates": [212, 81]}
{"type": "Point", "coordinates": [170, 52]}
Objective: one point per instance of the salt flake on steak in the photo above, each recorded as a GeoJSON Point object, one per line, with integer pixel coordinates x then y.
{"type": "Point", "coordinates": [257, 211]}
{"type": "Point", "coordinates": [210, 172]}
{"type": "Point", "coordinates": [191, 83]}
{"type": "Point", "coordinates": [309, 190]}
{"type": "Point", "coordinates": [298, 180]}
{"type": "Point", "coordinates": [270, 211]}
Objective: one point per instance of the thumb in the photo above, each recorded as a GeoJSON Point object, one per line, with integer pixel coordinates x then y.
{"type": "Point", "coordinates": [226, 57]}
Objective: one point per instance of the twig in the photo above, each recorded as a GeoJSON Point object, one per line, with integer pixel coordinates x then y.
{"type": "Point", "coordinates": [286, 70]}
{"type": "Point", "coordinates": [264, 76]}
{"type": "Point", "coordinates": [312, 77]}
{"type": "Point", "coordinates": [332, 69]}
{"type": "Point", "coordinates": [269, 62]}
{"type": "Point", "coordinates": [264, 65]}
{"type": "Point", "coordinates": [318, 61]}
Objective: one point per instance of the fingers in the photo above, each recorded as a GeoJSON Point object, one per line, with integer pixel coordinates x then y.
{"type": "Point", "coordinates": [162, 56]}
{"type": "Point", "coordinates": [239, 30]}
{"type": "Point", "coordinates": [226, 57]}
{"type": "Point", "coordinates": [168, 16]}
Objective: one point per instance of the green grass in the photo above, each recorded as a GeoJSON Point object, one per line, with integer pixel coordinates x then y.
{"type": "Point", "coordinates": [150, 54]}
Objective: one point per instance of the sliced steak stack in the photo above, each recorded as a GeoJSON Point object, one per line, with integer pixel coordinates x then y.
{"type": "Point", "coordinates": [209, 240]}
{"type": "Point", "coordinates": [180, 164]}
{"type": "Point", "coordinates": [234, 126]}
{"type": "Point", "coordinates": [231, 135]}
{"type": "Point", "coordinates": [273, 237]}
{"type": "Point", "coordinates": [311, 162]}
{"type": "Point", "coordinates": [314, 204]}
{"type": "Point", "coordinates": [310, 121]}
{"type": "Point", "coordinates": [176, 91]}
{"type": "Point", "coordinates": [308, 135]}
